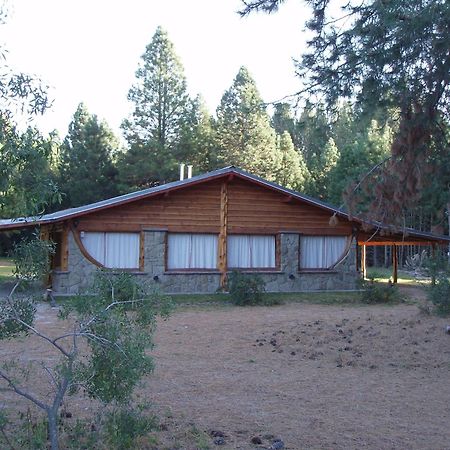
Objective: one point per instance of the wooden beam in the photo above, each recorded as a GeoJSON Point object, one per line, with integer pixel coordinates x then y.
{"type": "Point", "coordinates": [394, 263]}
{"type": "Point", "coordinates": [222, 263]}
{"type": "Point", "coordinates": [397, 243]}
{"type": "Point", "coordinates": [141, 251]}
{"type": "Point", "coordinates": [65, 248]}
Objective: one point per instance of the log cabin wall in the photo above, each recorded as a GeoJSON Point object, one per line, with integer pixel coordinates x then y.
{"type": "Point", "coordinates": [251, 209]}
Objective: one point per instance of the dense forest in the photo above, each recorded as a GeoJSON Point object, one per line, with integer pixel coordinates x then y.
{"type": "Point", "coordinates": [375, 158]}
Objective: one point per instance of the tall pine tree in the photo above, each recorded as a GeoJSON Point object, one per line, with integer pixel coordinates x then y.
{"type": "Point", "coordinates": [86, 168]}
{"type": "Point", "coordinates": [244, 135]}
{"type": "Point", "coordinates": [161, 105]}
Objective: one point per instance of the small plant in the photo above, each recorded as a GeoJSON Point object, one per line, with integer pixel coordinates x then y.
{"type": "Point", "coordinates": [246, 289]}
{"type": "Point", "coordinates": [124, 426]}
{"type": "Point", "coordinates": [373, 292]}
{"type": "Point", "coordinates": [439, 295]}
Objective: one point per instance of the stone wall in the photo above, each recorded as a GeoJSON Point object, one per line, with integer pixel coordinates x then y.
{"type": "Point", "coordinates": [288, 279]}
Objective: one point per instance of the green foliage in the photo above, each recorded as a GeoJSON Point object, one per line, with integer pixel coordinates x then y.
{"type": "Point", "coordinates": [439, 295]}
{"type": "Point", "coordinates": [15, 316]}
{"type": "Point", "coordinates": [244, 135]}
{"type": "Point", "coordinates": [27, 183]}
{"type": "Point", "coordinates": [161, 108]}
{"type": "Point", "coordinates": [246, 289]}
{"type": "Point", "coordinates": [86, 169]}
{"type": "Point", "coordinates": [123, 426]}
{"type": "Point", "coordinates": [32, 259]}
{"type": "Point", "coordinates": [373, 292]}
{"type": "Point", "coordinates": [119, 318]}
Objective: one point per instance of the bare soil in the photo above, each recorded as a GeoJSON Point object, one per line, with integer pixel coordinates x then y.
{"type": "Point", "coordinates": [314, 376]}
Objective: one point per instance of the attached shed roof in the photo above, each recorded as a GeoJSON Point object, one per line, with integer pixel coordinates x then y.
{"type": "Point", "coordinates": [226, 172]}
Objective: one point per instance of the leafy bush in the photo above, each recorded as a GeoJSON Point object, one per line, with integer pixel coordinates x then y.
{"type": "Point", "coordinates": [439, 295]}
{"type": "Point", "coordinates": [125, 425]}
{"type": "Point", "coordinates": [246, 289]}
{"type": "Point", "coordinates": [32, 259]}
{"type": "Point", "coordinates": [373, 293]}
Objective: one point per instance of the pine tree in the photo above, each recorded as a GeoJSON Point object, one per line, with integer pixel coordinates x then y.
{"type": "Point", "coordinates": [292, 172]}
{"type": "Point", "coordinates": [244, 135]}
{"type": "Point", "coordinates": [87, 172]}
{"type": "Point", "coordinates": [160, 107]}
{"type": "Point", "coordinates": [197, 145]}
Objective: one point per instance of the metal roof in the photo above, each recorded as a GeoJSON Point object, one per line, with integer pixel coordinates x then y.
{"type": "Point", "coordinates": [175, 185]}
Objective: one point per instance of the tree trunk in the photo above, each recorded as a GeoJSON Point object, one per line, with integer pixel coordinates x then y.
{"type": "Point", "coordinates": [52, 415]}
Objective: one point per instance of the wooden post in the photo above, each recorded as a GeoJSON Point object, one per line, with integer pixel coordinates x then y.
{"type": "Point", "coordinates": [142, 251]}
{"type": "Point", "coordinates": [222, 263]}
{"type": "Point", "coordinates": [394, 263]}
{"type": "Point", "coordinates": [65, 248]}
{"type": "Point", "coordinates": [363, 262]}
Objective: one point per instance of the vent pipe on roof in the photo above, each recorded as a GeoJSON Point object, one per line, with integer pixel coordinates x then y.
{"type": "Point", "coordinates": [181, 172]}
{"type": "Point", "coordinates": [189, 171]}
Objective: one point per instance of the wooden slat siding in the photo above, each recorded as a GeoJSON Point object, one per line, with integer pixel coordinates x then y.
{"type": "Point", "coordinates": [194, 209]}
{"type": "Point", "coordinates": [254, 209]}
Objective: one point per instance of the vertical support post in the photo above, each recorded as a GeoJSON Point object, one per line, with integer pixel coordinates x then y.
{"type": "Point", "coordinates": [363, 262]}
{"type": "Point", "coordinates": [222, 263]}
{"type": "Point", "coordinates": [65, 248]}
{"type": "Point", "coordinates": [394, 263]}
{"type": "Point", "coordinates": [44, 235]}
{"type": "Point", "coordinates": [141, 251]}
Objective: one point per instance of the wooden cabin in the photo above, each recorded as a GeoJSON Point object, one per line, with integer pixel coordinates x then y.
{"type": "Point", "coordinates": [186, 236]}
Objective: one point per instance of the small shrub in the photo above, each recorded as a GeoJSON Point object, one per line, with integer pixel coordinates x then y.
{"type": "Point", "coordinates": [378, 292]}
{"type": "Point", "coordinates": [246, 289]}
{"type": "Point", "coordinates": [125, 425]}
{"type": "Point", "coordinates": [439, 295]}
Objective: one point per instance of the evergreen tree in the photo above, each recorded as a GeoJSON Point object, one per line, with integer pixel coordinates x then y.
{"type": "Point", "coordinates": [292, 172]}
{"type": "Point", "coordinates": [321, 178]}
{"type": "Point", "coordinates": [244, 135]}
{"type": "Point", "coordinates": [160, 107]}
{"type": "Point", "coordinates": [87, 171]}
{"type": "Point", "coordinates": [367, 149]}
{"type": "Point", "coordinates": [197, 145]}
{"type": "Point", "coordinates": [283, 120]}
{"type": "Point", "coordinates": [385, 54]}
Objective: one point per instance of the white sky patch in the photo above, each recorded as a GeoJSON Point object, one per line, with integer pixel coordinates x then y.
{"type": "Point", "coordinates": [89, 50]}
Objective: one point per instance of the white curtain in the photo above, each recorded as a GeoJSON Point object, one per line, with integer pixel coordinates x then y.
{"type": "Point", "coordinates": [321, 252]}
{"type": "Point", "coordinates": [113, 250]}
{"type": "Point", "coordinates": [192, 251]}
{"type": "Point", "coordinates": [249, 251]}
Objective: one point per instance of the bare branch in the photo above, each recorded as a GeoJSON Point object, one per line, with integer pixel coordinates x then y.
{"type": "Point", "coordinates": [18, 390]}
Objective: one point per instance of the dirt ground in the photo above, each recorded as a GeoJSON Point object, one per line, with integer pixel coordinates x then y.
{"type": "Point", "coordinates": [314, 376]}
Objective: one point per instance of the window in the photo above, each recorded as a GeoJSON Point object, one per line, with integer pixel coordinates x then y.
{"type": "Point", "coordinates": [251, 252]}
{"type": "Point", "coordinates": [321, 252]}
{"type": "Point", "coordinates": [113, 250]}
{"type": "Point", "coordinates": [191, 251]}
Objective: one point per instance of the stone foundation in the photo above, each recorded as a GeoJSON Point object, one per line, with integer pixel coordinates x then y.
{"type": "Point", "coordinates": [288, 279]}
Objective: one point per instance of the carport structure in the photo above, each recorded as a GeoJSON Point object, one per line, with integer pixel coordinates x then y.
{"type": "Point", "coordinates": [381, 236]}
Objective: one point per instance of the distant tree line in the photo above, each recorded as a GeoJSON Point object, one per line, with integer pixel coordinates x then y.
{"type": "Point", "coordinates": [319, 149]}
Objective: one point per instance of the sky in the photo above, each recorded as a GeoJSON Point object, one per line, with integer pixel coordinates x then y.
{"type": "Point", "coordinates": [88, 50]}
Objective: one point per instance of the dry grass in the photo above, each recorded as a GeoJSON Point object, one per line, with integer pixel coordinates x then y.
{"type": "Point", "coordinates": [316, 376]}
